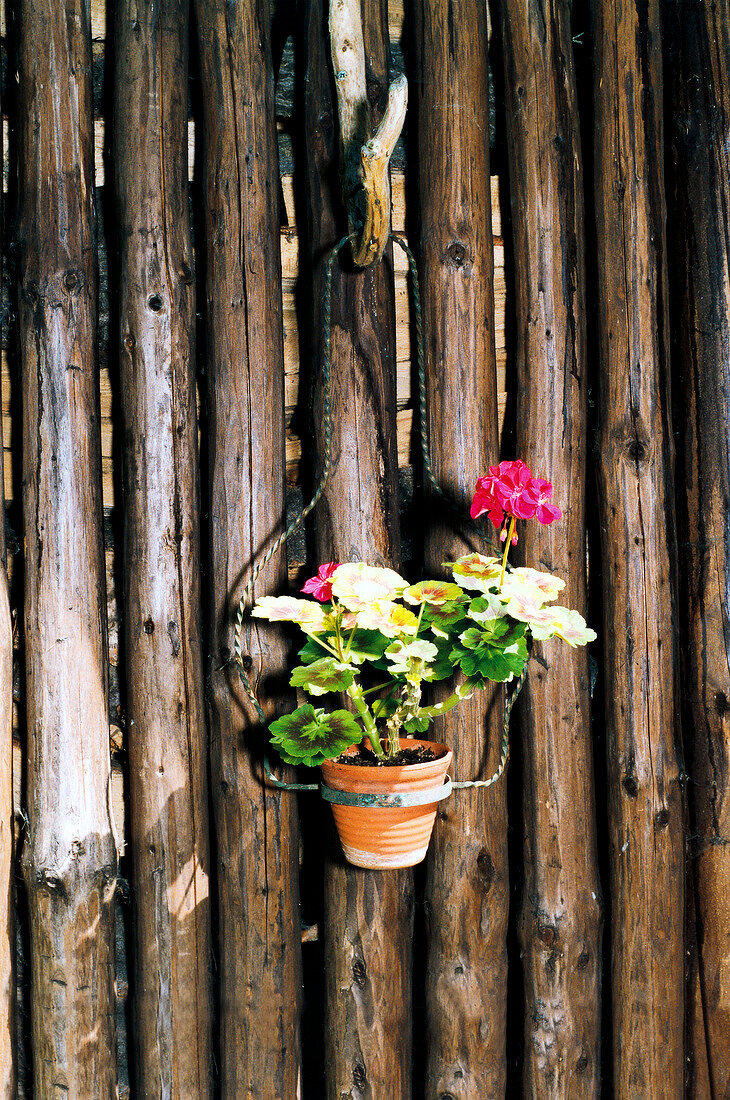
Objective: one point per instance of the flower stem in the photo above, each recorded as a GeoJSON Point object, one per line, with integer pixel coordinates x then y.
{"type": "Point", "coordinates": [355, 693]}
{"type": "Point", "coordinates": [507, 544]}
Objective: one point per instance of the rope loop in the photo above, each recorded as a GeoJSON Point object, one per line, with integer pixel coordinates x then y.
{"type": "Point", "coordinates": [510, 698]}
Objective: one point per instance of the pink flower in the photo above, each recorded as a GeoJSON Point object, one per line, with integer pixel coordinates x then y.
{"type": "Point", "coordinates": [539, 491]}
{"type": "Point", "coordinates": [485, 499]}
{"type": "Point", "coordinates": [511, 487]}
{"type": "Point", "coordinates": [321, 586]}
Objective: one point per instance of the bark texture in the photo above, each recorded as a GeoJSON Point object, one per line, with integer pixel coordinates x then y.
{"type": "Point", "coordinates": [700, 37]}
{"type": "Point", "coordinates": [70, 855]}
{"type": "Point", "coordinates": [166, 740]}
{"type": "Point", "coordinates": [467, 887]}
{"type": "Point", "coordinates": [560, 925]}
{"type": "Point", "coordinates": [256, 827]}
{"type": "Point", "coordinates": [637, 532]}
{"type": "Point", "coordinates": [368, 915]}
{"type": "Point", "coordinates": [7, 870]}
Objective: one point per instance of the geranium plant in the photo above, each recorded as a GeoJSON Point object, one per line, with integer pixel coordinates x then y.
{"type": "Point", "coordinates": [376, 639]}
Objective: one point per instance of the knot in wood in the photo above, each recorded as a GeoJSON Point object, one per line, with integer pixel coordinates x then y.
{"type": "Point", "coordinates": [548, 934]}
{"type": "Point", "coordinates": [155, 303]}
{"type": "Point", "coordinates": [456, 254]}
{"type": "Point", "coordinates": [359, 1076]}
{"type": "Point", "coordinates": [359, 972]}
{"type": "Point", "coordinates": [149, 626]}
{"type": "Point", "coordinates": [582, 1064]}
{"type": "Point", "coordinates": [630, 786]}
{"type": "Point", "coordinates": [247, 662]}
{"type": "Point", "coordinates": [721, 705]}
{"type": "Point", "coordinates": [637, 450]}
{"type": "Point", "coordinates": [185, 273]}
{"type": "Point", "coordinates": [129, 342]}
{"type": "Point", "coordinates": [661, 818]}
{"type": "Point", "coordinates": [486, 868]}
{"type": "Point", "coordinates": [583, 959]}
{"type": "Point", "coordinates": [71, 281]}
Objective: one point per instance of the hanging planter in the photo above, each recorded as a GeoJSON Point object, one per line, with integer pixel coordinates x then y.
{"type": "Point", "coordinates": [385, 813]}
{"type": "Point", "coordinates": [373, 641]}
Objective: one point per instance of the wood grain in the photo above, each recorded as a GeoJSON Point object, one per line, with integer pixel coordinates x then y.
{"type": "Point", "coordinates": [560, 922]}
{"type": "Point", "coordinates": [368, 915]}
{"type": "Point", "coordinates": [7, 869]}
{"type": "Point", "coordinates": [70, 855]}
{"type": "Point", "coordinates": [700, 139]}
{"type": "Point", "coordinates": [636, 497]}
{"type": "Point", "coordinates": [256, 827]}
{"type": "Point", "coordinates": [166, 739]}
{"type": "Point", "coordinates": [467, 886]}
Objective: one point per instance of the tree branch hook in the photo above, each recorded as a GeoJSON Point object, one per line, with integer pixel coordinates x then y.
{"type": "Point", "coordinates": [364, 159]}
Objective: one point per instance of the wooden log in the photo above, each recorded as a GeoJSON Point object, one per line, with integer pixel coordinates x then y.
{"type": "Point", "coordinates": [70, 856]}
{"type": "Point", "coordinates": [701, 255]}
{"type": "Point", "coordinates": [467, 886]}
{"type": "Point", "coordinates": [166, 740]}
{"type": "Point", "coordinates": [368, 914]}
{"type": "Point", "coordinates": [638, 545]}
{"type": "Point", "coordinates": [256, 827]}
{"type": "Point", "coordinates": [7, 924]}
{"type": "Point", "coordinates": [560, 923]}
{"type": "Point", "coordinates": [7, 838]}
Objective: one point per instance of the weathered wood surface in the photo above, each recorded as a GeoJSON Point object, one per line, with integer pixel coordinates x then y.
{"type": "Point", "coordinates": [70, 854]}
{"type": "Point", "coordinates": [290, 274]}
{"type": "Point", "coordinates": [700, 74]}
{"type": "Point", "coordinates": [166, 738]}
{"type": "Point", "coordinates": [256, 828]}
{"type": "Point", "coordinates": [7, 924]}
{"type": "Point", "coordinates": [637, 532]}
{"type": "Point", "coordinates": [467, 886]}
{"type": "Point", "coordinates": [368, 915]}
{"type": "Point", "coordinates": [560, 922]}
{"type": "Point", "coordinates": [7, 839]}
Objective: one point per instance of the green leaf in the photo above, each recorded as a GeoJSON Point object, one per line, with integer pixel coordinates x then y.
{"type": "Point", "coordinates": [322, 676]}
{"type": "Point", "coordinates": [492, 654]}
{"type": "Point", "coordinates": [416, 725]}
{"type": "Point", "coordinates": [447, 618]}
{"type": "Point", "coordinates": [309, 736]}
{"type": "Point", "coordinates": [366, 645]}
{"type": "Point", "coordinates": [311, 651]}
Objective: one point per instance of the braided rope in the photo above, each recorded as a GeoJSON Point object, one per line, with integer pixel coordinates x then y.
{"type": "Point", "coordinates": [509, 701]}
{"type": "Point", "coordinates": [324, 476]}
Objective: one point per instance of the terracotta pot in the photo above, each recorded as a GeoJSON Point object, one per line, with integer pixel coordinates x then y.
{"type": "Point", "coordinates": [394, 836]}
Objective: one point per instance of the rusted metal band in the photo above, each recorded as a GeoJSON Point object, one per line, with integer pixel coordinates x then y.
{"type": "Point", "coordinates": [387, 801]}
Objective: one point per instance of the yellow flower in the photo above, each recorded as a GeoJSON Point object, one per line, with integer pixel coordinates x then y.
{"type": "Point", "coordinates": [432, 592]}
{"type": "Point", "coordinates": [389, 618]}
{"type": "Point", "coordinates": [358, 586]}
{"type": "Point", "coordinates": [548, 584]}
{"type": "Point", "coordinates": [310, 616]}
{"type": "Point", "coordinates": [476, 572]}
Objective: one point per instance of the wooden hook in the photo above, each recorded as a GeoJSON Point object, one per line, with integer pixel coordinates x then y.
{"type": "Point", "coordinates": [364, 159]}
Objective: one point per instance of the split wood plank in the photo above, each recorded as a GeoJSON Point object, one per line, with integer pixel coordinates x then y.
{"type": "Point", "coordinates": [166, 730]}
{"type": "Point", "coordinates": [257, 836]}
{"type": "Point", "coordinates": [636, 500]}
{"type": "Point", "coordinates": [70, 856]}
{"type": "Point", "coordinates": [560, 922]}
{"type": "Point", "coordinates": [467, 881]}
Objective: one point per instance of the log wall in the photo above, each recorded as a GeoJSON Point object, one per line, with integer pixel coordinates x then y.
{"type": "Point", "coordinates": [514, 988]}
